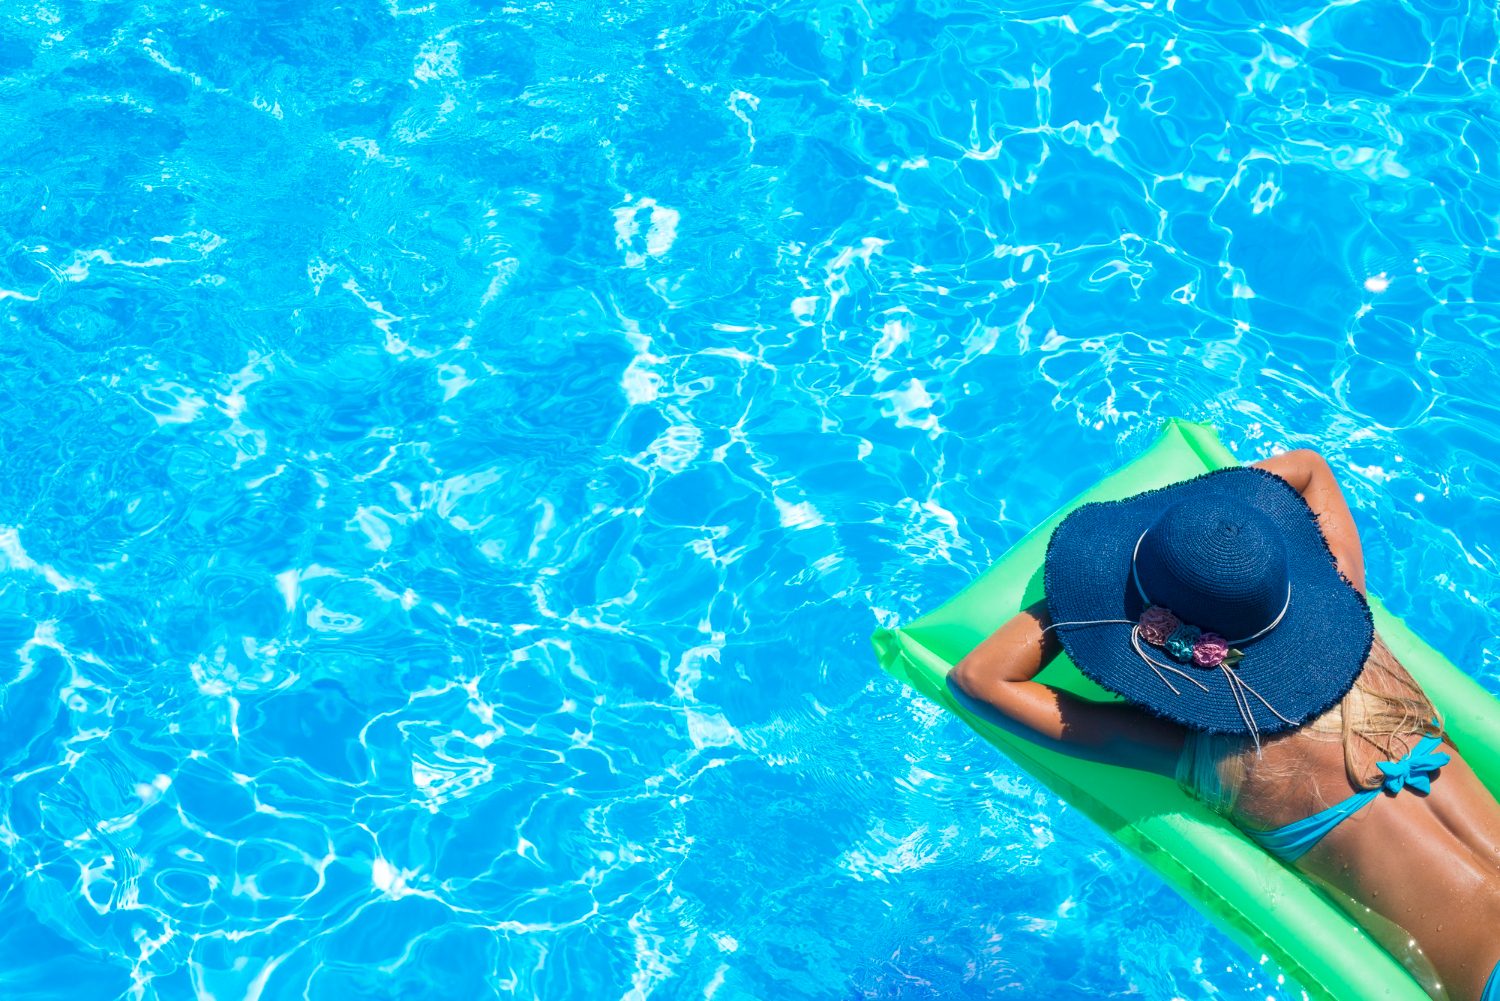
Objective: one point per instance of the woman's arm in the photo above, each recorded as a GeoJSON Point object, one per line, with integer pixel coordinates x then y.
{"type": "Point", "coordinates": [995, 682]}
{"type": "Point", "coordinates": [1310, 475]}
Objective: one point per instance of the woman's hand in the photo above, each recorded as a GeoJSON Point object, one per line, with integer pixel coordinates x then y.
{"type": "Point", "coordinates": [994, 682]}
{"type": "Point", "coordinates": [1310, 475]}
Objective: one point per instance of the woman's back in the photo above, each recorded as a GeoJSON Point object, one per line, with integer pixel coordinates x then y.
{"type": "Point", "coordinates": [1420, 872]}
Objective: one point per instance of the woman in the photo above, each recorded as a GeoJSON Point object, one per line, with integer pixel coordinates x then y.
{"type": "Point", "coordinates": [1229, 611]}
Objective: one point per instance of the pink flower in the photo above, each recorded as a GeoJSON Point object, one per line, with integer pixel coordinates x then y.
{"type": "Point", "coordinates": [1157, 624]}
{"type": "Point", "coordinates": [1210, 650]}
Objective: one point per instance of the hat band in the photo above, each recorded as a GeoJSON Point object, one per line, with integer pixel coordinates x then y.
{"type": "Point", "coordinates": [1135, 577]}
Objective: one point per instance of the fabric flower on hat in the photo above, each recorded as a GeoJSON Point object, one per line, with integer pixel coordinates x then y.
{"type": "Point", "coordinates": [1179, 645]}
{"type": "Point", "coordinates": [1157, 624]}
{"type": "Point", "coordinates": [1210, 650]}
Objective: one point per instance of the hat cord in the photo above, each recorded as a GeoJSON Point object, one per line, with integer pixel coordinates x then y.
{"type": "Point", "coordinates": [1135, 643]}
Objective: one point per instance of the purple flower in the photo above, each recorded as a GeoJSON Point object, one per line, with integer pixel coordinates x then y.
{"type": "Point", "coordinates": [1210, 650]}
{"type": "Point", "coordinates": [1157, 624]}
{"type": "Point", "coordinates": [1179, 645]}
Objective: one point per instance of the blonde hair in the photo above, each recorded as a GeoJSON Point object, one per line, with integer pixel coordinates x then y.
{"type": "Point", "coordinates": [1384, 705]}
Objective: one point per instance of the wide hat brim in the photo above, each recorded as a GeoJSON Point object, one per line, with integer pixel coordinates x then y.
{"type": "Point", "coordinates": [1301, 667]}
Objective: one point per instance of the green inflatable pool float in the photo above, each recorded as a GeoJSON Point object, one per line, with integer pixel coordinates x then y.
{"type": "Point", "coordinates": [1265, 906]}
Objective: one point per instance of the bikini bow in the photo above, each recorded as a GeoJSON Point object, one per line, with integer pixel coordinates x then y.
{"type": "Point", "coordinates": [1415, 770]}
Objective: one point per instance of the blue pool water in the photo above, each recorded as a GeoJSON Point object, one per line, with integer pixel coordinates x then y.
{"type": "Point", "coordinates": [454, 455]}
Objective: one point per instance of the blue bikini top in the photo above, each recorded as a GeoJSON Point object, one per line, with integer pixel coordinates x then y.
{"type": "Point", "coordinates": [1414, 771]}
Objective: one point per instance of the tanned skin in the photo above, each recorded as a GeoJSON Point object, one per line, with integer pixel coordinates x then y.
{"type": "Point", "coordinates": [1422, 873]}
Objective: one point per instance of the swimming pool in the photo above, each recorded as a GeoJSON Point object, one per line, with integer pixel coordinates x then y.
{"type": "Point", "coordinates": [455, 456]}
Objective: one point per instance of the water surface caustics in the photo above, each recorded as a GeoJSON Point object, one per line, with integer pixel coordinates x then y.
{"type": "Point", "coordinates": [454, 455]}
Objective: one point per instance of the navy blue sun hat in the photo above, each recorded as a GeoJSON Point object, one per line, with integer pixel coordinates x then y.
{"type": "Point", "coordinates": [1215, 603]}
